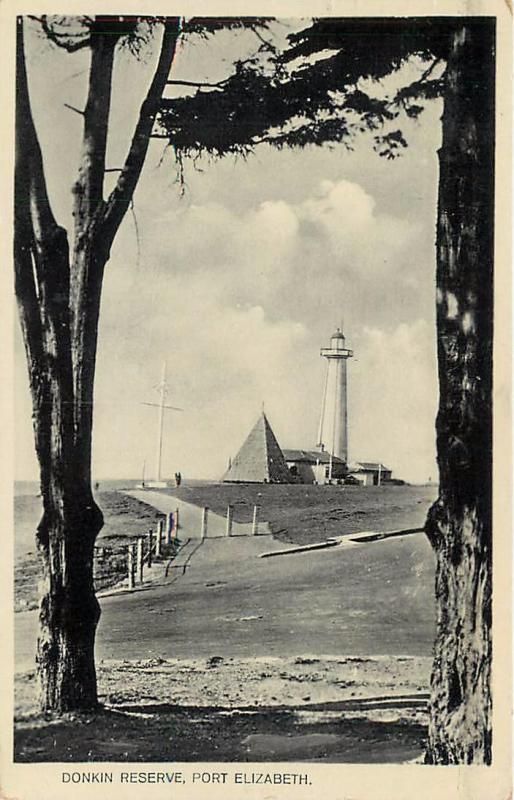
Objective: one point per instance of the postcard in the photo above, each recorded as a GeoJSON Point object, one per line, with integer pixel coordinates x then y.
{"type": "Point", "coordinates": [257, 388]}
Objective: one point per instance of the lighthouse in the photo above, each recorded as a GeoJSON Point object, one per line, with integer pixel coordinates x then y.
{"type": "Point", "coordinates": [333, 424]}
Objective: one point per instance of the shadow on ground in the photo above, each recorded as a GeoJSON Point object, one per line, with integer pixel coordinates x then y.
{"type": "Point", "coordinates": [338, 732]}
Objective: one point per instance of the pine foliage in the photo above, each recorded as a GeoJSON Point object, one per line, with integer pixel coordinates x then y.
{"type": "Point", "coordinates": [323, 88]}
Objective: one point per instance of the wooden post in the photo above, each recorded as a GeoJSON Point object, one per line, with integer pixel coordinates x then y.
{"type": "Point", "coordinates": [230, 512]}
{"type": "Point", "coordinates": [255, 521]}
{"type": "Point", "coordinates": [158, 538]}
{"type": "Point", "coordinates": [130, 565]}
{"type": "Point", "coordinates": [139, 559]}
{"type": "Point", "coordinates": [169, 527]}
{"type": "Point", "coordinates": [150, 547]}
{"type": "Point", "coordinates": [205, 514]}
{"type": "Point", "coordinates": [176, 523]}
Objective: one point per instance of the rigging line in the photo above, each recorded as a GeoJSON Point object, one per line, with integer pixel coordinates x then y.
{"type": "Point", "coordinates": [336, 401]}
{"type": "Point", "coordinates": [158, 405]}
{"type": "Point", "coordinates": [323, 404]}
{"type": "Point", "coordinates": [138, 244]}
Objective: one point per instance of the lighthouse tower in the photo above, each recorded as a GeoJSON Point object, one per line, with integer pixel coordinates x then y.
{"type": "Point", "coordinates": [333, 424]}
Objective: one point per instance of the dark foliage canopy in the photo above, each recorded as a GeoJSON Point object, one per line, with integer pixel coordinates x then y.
{"type": "Point", "coordinates": [324, 87]}
{"type": "Point", "coordinates": [328, 84]}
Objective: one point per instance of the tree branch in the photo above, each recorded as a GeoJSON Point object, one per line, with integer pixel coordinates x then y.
{"type": "Point", "coordinates": [24, 278]}
{"type": "Point", "coordinates": [89, 250]}
{"type": "Point", "coordinates": [198, 84]}
{"type": "Point", "coordinates": [266, 45]}
{"type": "Point", "coordinates": [63, 39]}
{"type": "Point", "coordinates": [30, 183]}
{"type": "Point", "coordinates": [205, 26]}
{"type": "Point", "coordinates": [429, 70]}
{"type": "Point", "coordinates": [72, 108]}
{"type": "Point", "coordinates": [41, 265]}
{"type": "Point", "coordinates": [121, 195]}
{"type": "Point", "coordinates": [88, 189]}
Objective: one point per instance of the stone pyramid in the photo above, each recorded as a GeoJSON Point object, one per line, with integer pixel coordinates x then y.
{"type": "Point", "coordinates": [260, 459]}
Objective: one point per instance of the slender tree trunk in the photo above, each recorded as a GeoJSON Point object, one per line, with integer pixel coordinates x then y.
{"type": "Point", "coordinates": [460, 522]}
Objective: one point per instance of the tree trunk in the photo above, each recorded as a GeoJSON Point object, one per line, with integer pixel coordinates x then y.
{"type": "Point", "coordinates": [69, 611]}
{"type": "Point", "coordinates": [59, 306]}
{"type": "Point", "coordinates": [459, 524]}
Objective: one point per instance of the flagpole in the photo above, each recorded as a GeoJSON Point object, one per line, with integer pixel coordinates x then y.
{"type": "Point", "coordinates": [161, 421]}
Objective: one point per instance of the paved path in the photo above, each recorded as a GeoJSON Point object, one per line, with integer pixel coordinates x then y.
{"type": "Point", "coordinates": [222, 599]}
{"type": "Point", "coordinates": [190, 516]}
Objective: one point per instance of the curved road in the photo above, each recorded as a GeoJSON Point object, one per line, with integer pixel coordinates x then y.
{"type": "Point", "coordinates": [366, 599]}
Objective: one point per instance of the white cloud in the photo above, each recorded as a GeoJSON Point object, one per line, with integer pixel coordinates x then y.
{"type": "Point", "coordinates": [359, 236]}
{"type": "Point", "coordinates": [393, 399]}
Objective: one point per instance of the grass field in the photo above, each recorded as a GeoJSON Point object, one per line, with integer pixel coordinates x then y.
{"type": "Point", "coordinates": [124, 520]}
{"type": "Point", "coordinates": [302, 514]}
{"type": "Point", "coordinates": [297, 514]}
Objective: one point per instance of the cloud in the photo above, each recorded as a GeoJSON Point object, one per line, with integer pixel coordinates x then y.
{"type": "Point", "coordinates": [393, 399]}
{"type": "Point", "coordinates": [346, 214]}
{"type": "Point", "coordinates": [332, 243]}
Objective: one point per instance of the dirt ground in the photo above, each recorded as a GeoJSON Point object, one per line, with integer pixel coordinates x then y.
{"type": "Point", "coordinates": [301, 514]}
{"type": "Point", "coordinates": [305, 708]}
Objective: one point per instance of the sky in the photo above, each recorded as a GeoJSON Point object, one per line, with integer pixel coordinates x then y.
{"type": "Point", "coordinates": [238, 282]}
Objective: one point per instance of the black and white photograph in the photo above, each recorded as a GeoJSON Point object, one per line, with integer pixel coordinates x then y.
{"type": "Point", "coordinates": [255, 372]}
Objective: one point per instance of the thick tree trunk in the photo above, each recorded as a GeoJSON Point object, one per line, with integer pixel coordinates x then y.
{"type": "Point", "coordinates": [460, 522]}
{"type": "Point", "coordinates": [69, 610]}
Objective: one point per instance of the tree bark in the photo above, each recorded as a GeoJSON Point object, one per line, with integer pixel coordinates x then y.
{"type": "Point", "coordinates": [459, 524]}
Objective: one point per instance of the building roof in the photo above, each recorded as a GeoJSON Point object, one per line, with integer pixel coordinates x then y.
{"type": "Point", "coordinates": [311, 456]}
{"type": "Point", "coordinates": [371, 466]}
{"type": "Point", "coordinates": [260, 459]}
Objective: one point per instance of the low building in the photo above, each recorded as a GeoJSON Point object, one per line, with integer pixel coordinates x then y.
{"type": "Point", "coordinates": [314, 466]}
{"type": "Point", "coordinates": [369, 473]}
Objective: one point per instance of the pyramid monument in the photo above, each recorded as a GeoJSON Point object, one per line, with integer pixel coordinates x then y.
{"type": "Point", "coordinates": [260, 459]}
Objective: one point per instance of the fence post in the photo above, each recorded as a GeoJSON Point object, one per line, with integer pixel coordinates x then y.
{"type": "Point", "coordinates": [176, 522]}
{"type": "Point", "coordinates": [139, 559]}
{"type": "Point", "coordinates": [169, 527]}
{"type": "Point", "coordinates": [230, 511]}
{"type": "Point", "coordinates": [130, 565]}
{"type": "Point", "coordinates": [150, 547]}
{"type": "Point", "coordinates": [158, 538]}
{"type": "Point", "coordinates": [255, 521]}
{"type": "Point", "coordinates": [205, 514]}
